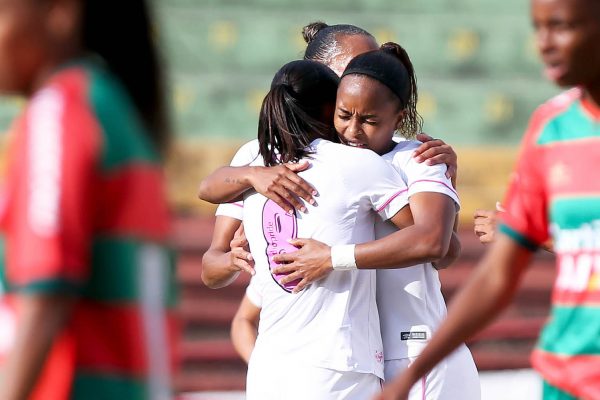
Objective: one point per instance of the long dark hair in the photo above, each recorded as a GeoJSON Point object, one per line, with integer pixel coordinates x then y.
{"type": "Point", "coordinates": [297, 109]}
{"type": "Point", "coordinates": [120, 31]}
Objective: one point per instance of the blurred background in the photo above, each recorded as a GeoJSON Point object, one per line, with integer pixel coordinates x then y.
{"type": "Point", "coordinates": [479, 81]}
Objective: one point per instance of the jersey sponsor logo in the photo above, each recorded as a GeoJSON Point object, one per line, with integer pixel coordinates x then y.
{"type": "Point", "coordinates": [413, 335]}
{"type": "Point", "coordinates": [278, 227]}
{"type": "Point", "coordinates": [578, 257]}
{"type": "Point", "coordinates": [44, 149]}
{"type": "Point", "coordinates": [379, 356]}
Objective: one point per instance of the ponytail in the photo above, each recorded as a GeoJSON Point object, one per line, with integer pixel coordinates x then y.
{"type": "Point", "coordinates": [122, 34]}
{"type": "Point", "coordinates": [293, 113]}
{"type": "Point", "coordinates": [412, 122]}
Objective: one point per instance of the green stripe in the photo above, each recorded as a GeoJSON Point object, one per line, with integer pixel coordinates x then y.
{"type": "Point", "coordinates": [49, 286]}
{"type": "Point", "coordinates": [518, 237]}
{"type": "Point", "coordinates": [3, 280]}
{"type": "Point", "coordinates": [553, 393]}
{"type": "Point", "coordinates": [89, 386]}
{"type": "Point", "coordinates": [115, 270]}
{"type": "Point", "coordinates": [126, 140]}
{"type": "Point", "coordinates": [572, 124]}
{"type": "Point", "coordinates": [573, 212]}
{"type": "Point", "coordinates": [572, 331]}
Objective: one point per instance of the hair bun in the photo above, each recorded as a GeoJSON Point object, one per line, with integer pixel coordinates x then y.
{"type": "Point", "coordinates": [392, 48]}
{"type": "Point", "coordinates": [310, 31]}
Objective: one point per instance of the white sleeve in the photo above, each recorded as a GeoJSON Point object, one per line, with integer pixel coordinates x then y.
{"type": "Point", "coordinates": [253, 293]}
{"type": "Point", "coordinates": [429, 178]}
{"type": "Point", "coordinates": [381, 184]}
{"type": "Point", "coordinates": [244, 156]}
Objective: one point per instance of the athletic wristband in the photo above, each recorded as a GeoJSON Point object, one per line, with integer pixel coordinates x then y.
{"type": "Point", "coordinates": [342, 257]}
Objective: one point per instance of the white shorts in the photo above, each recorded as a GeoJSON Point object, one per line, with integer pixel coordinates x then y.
{"type": "Point", "coordinates": [453, 378]}
{"type": "Point", "coordinates": [271, 378]}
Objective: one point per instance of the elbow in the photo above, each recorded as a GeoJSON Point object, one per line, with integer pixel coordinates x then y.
{"type": "Point", "coordinates": [204, 192]}
{"type": "Point", "coordinates": [435, 248]}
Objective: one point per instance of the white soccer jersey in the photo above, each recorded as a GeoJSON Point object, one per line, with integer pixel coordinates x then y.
{"type": "Point", "coordinates": [410, 301]}
{"type": "Point", "coordinates": [244, 156]}
{"type": "Point", "coordinates": [333, 323]}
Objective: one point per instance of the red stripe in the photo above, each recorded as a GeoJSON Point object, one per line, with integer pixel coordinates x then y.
{"type": "Point", "coordinates": [133, 202]}
{"type": "Point", "coordinates": [120, 350]}
{"type": "Point", "coordinates": [577, 375]}
{"type": "Point", "coordinates": [390, 199]}
{"type": "Point", "coordinates": [570, 298]}
{"type": "Point", "coordinates": [423, 388]}
{"type": "Point", "coordinates": [239, 204]}
{"type": "Point", "coordinates": [434, 181]}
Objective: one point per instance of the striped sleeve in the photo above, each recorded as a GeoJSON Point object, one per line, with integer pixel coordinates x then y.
{"type": "Point", "coordinates": [526, 217]}
{"type": "Point", "coordinates": [51, 218]}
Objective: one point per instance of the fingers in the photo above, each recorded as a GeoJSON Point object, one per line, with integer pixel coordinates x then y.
{"type": "Point", "coordinates": [284, 258]}
{"type": "Point", "coordinates": [484, 214]}
{"type": "Point", "coordinates": [243, 260]}
{"type": "Point", "coordinates": [292, 276]}
{"type": "Point", "coordinates": [288, 197]}
{"type": "Point", "coordinates": [301, 286]}
{"type": "Point", "coordinates": [423, 137]}
{"type": "Point", "coordinates": [499, 207]}
{"type": "Point", "coordinates": [435, 152]}
{"type": "Point", "coordinates": [298, 167]}
{"type": "Point", "coordinates": [299, 186]}
{"type": "Point", "coordinates": [451, 174]}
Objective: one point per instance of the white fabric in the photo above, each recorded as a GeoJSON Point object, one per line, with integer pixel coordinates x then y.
{"type": "Point", "coordinates": [410, 300]}
{"type": "Point", "coordinates": [453, 378]}
{"type": "Point", "coordinates": [333, 323]}
{"type": "Point", "coordinates": [276, 377]}
{"type": "Point", "coordinates": [244, 156]}
{"type": "Point", "coordinates": [342, 257]}
{"type": "Point", "coordinates": [253, 293]}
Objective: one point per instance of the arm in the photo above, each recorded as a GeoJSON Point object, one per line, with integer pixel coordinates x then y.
{"type": "Point", "coordinates": [42, 317]}
{"type": "Point", "coordinates": [428, 239]}
{"type": "Point", "coordinates": [453, 253]}
{"type": "Point", "coordinates": [280, 184]}
{"type": "Point", "coordinates": [488, 291]}
{"type": "Point", "coordinates": [222, 263]}
{"type": "Point", "coordinates": [244, 328]}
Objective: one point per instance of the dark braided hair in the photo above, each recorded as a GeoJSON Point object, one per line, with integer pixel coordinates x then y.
{"type": "Point", "coordinates": [294, 112]}
{"type": "Point", "coordinates": [412, 122]}
{"type": "Point", "coordinates": [322, 40]}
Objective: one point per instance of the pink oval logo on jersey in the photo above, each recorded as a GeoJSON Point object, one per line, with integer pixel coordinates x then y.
{"type": "Point", "coordinates": [278, 227]}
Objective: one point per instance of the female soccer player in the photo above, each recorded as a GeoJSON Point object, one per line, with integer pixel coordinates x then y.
{"type": "Point", "coordinates": [327, 337]}
{"type": "Point", "coordinates": [549, 195]}
{"type": "Point", "coordinates": [84, 214]}
{"type": "Point", "coordinates": [335, 46]}
{"type": "Point", "coordinates": [370, 107]}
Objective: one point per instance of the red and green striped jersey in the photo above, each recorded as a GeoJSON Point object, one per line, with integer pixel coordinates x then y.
{"type": "Point", "coordinates": [555, 192]}
{"type": "Point", "coordinates": [85, 213]}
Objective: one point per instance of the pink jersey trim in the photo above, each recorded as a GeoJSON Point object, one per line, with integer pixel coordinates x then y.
{"type": "Point", "coordinates": [238, 204]}
{"type": "Point", "coordinates": [423, 388]}
{"type": "Point", "coordinates": [391, 199]}
{"type": "Point", "coordinates": [434, 181]}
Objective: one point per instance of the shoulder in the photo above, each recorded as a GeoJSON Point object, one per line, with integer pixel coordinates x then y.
{"type": "Point", "coordinates": [402, 152]}
{"type": "Point", "coordinates": [549, 111]}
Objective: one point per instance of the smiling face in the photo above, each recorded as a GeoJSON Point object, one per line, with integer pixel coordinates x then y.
{"type": "Point", "coordinates": [568, 40]}
{"type": "Point", "coordinates": [366, 113]}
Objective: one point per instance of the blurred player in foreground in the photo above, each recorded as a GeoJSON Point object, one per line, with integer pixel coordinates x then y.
{"type": "Point", "coordinates": [86, 270]}
{"type": "Point", "coordinates": [554, 192]}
